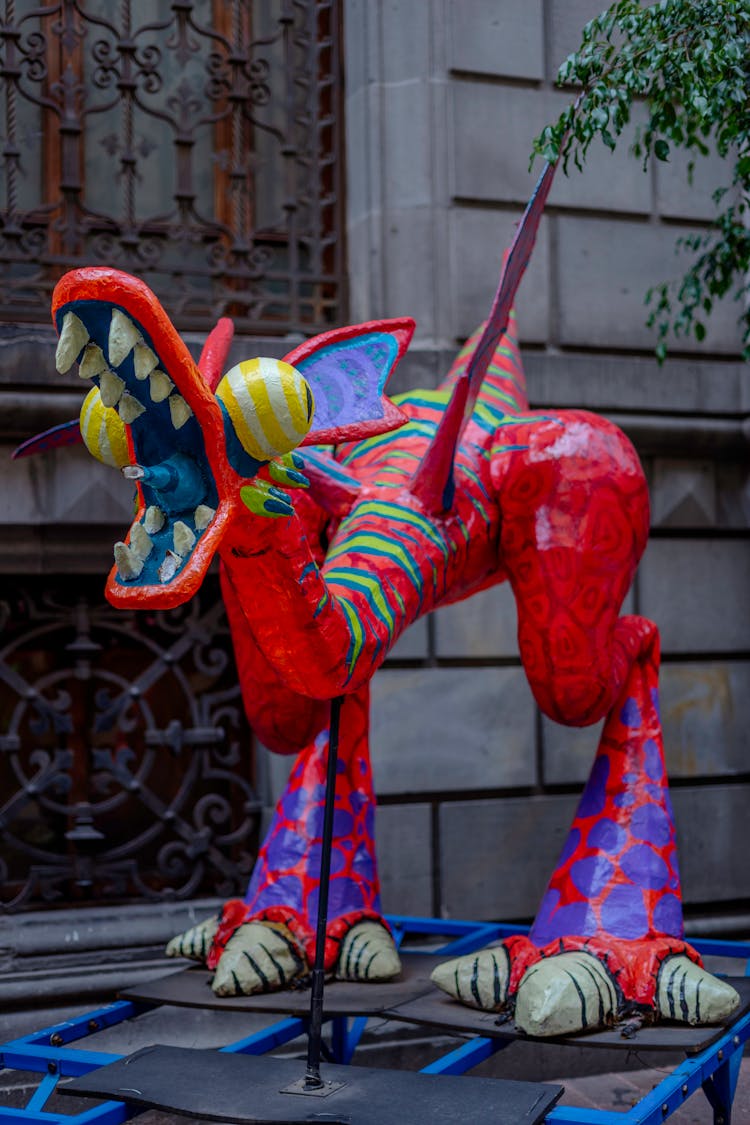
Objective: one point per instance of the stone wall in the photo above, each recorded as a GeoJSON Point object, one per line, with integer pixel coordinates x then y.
{"type": "Point", "coordinates": [476, 788]}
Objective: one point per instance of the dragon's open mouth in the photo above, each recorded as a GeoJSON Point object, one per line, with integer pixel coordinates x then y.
{"type": "Point", "coordinates": [188, 450]}
{"type": "Point", "coordinates": [178, 491]}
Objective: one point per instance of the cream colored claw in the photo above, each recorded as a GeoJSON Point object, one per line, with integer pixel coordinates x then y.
{"type": "Point", "coordinates": [129, 565]}
{"type": "Point", "coordinates": [73, 338]}
{"type": "Point", "coordinates": [686, 992]}
{"type": "Point", "coordinates": [123, 336]}
{"type": "Point", "coordinates": [259, 957]}
{"type": "Point", "coordinates": [368, 954]}
{"type": "Point", "coordinates": [479, 980]}
{"type": "Point", "coordinates": [564, 994]}
{"type": "Point", "coordinates": [195, 942]}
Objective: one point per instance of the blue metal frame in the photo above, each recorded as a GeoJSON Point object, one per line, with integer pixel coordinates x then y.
{"type": "Point", "coordinates": [46, 1052]}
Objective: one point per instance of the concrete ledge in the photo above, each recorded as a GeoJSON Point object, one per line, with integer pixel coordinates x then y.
{"type": "Point", "coordinates": [88, 954]}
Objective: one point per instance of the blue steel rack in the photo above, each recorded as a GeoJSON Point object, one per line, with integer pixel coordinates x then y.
{"type": "Point", "coordinates": [47, 1052]}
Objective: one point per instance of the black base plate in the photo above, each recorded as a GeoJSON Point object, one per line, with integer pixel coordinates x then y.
{"type": "Point", "coordinates": [438, 1010]}
{"type": "Point", "coordinates": [192, 989]}
{"type": "Point", "coordinates": [216, 1086]}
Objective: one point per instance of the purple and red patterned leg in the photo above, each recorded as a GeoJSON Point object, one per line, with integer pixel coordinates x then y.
{"type": "Point", "coordinates": [575, 522]}
{"type": "Point", "coordinates": [616, 888]}
{"type": "Point", "coordinates": [284, 885]}
{"type": "Point", "coordinates": [618, 875]}
{"type": "Point", "coordinates": [613, 904]}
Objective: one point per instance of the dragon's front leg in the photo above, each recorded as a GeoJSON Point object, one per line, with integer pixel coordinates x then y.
{"type": "Point", "coordinates": [607, 943]}
{"type": "Point", "coordinates": [266, 940]}
{"type": "Point", "coordinates": [284, 887]}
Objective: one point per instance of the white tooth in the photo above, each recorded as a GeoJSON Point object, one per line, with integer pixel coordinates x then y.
{"type": "Point", "coordinates": [179, 410]}
{"type": "Point", "coordinates": [111, 387]}
{"type": "Point", "coordinates": [128, 563]}
{"type": "Point", "coordinates": [203, 516]}
{"type": "Point", "coordinates": [140, 541]}
{"type": "Point", "coordinates": [144, 361]}
{"type": "Point", "coordinates": [161, 385]}
{"type": "Point", "coordinates": [123, 336]}
{"type": "Point", "coordinates": [73, 338]}
{"type": "Point", "coordinates": [184, 540]}
{"type": "Point", "coordinates": [170, 566]}
{"type": "Point", "coordinates": [92, 362]}
{"type": "Point", "coordinates": [153, 520]}
{"type": "Point", "coordinates": [130, 408]}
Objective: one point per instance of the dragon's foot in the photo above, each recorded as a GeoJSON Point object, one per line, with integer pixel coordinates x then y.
{"type": "Point", "coordinates": [581, 984]}
{"type": "Point", "coordinates": [269, 954]}
{"type": "Point", "coordinates": [256, 957]}
{"type": "Point", "coordinates": [368, 953]}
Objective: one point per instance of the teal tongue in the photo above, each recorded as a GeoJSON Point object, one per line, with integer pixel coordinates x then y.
{"type": "Point", "coordinates": [177, 483]}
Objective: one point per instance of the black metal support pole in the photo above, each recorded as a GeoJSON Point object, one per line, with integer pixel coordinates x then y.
{"type": "Point", "coordinates": [313, 1081]}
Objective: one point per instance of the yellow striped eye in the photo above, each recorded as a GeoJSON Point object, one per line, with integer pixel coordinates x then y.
{"type": "Point", "coordinates": [270, 404]}
{"type": "Point", "coordinates": [103, 431]}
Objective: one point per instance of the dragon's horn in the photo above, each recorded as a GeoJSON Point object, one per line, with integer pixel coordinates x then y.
{"type": "Point", "coordinates": [433, 482]}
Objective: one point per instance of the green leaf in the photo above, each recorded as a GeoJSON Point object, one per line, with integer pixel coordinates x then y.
{"type": "Point", "coordinates": [685, 63]}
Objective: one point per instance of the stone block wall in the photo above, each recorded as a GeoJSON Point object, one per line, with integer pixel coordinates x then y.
{"type": "Point", "coordinates": [477, 788]}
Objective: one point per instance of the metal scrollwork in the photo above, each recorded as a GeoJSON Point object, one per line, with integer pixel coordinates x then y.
{"type": "Point", "coordinates": [203, 146]}
{"type": "Point", "coordinates": [125, 758]}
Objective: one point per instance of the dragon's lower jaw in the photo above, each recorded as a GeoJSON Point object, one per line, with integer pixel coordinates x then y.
{"type": "Point", "coordinates": [140, 419]}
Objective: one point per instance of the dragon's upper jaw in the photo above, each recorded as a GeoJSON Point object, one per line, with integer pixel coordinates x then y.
{"type": "Point", "coordinates": [116, 329]}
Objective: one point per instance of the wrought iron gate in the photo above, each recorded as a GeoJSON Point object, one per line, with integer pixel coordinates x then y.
{"type": "Point", "coordinates": [197, 144]}
{"type": "Point", "coordinates": [125, 757]}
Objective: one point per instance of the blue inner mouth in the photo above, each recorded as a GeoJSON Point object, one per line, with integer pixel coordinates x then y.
{"type": "Point", "coordinates": [178, 477]}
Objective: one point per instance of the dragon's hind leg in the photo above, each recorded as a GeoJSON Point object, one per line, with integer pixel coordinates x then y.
{"type": "Point", "coordinates": [607, 942]}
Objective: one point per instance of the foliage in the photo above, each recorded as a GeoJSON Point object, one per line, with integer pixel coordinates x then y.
{"type": "Point", "coordinates": [687, 61]}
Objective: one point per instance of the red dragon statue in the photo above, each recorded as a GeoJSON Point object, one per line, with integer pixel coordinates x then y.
{"type": "Point", "coordinates": [412, 504]}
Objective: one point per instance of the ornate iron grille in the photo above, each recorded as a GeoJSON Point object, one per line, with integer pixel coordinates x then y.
{"type": "Point", "coordinates": [195, 144]}
{"type": "Point", "coordinates": [125, 757]}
